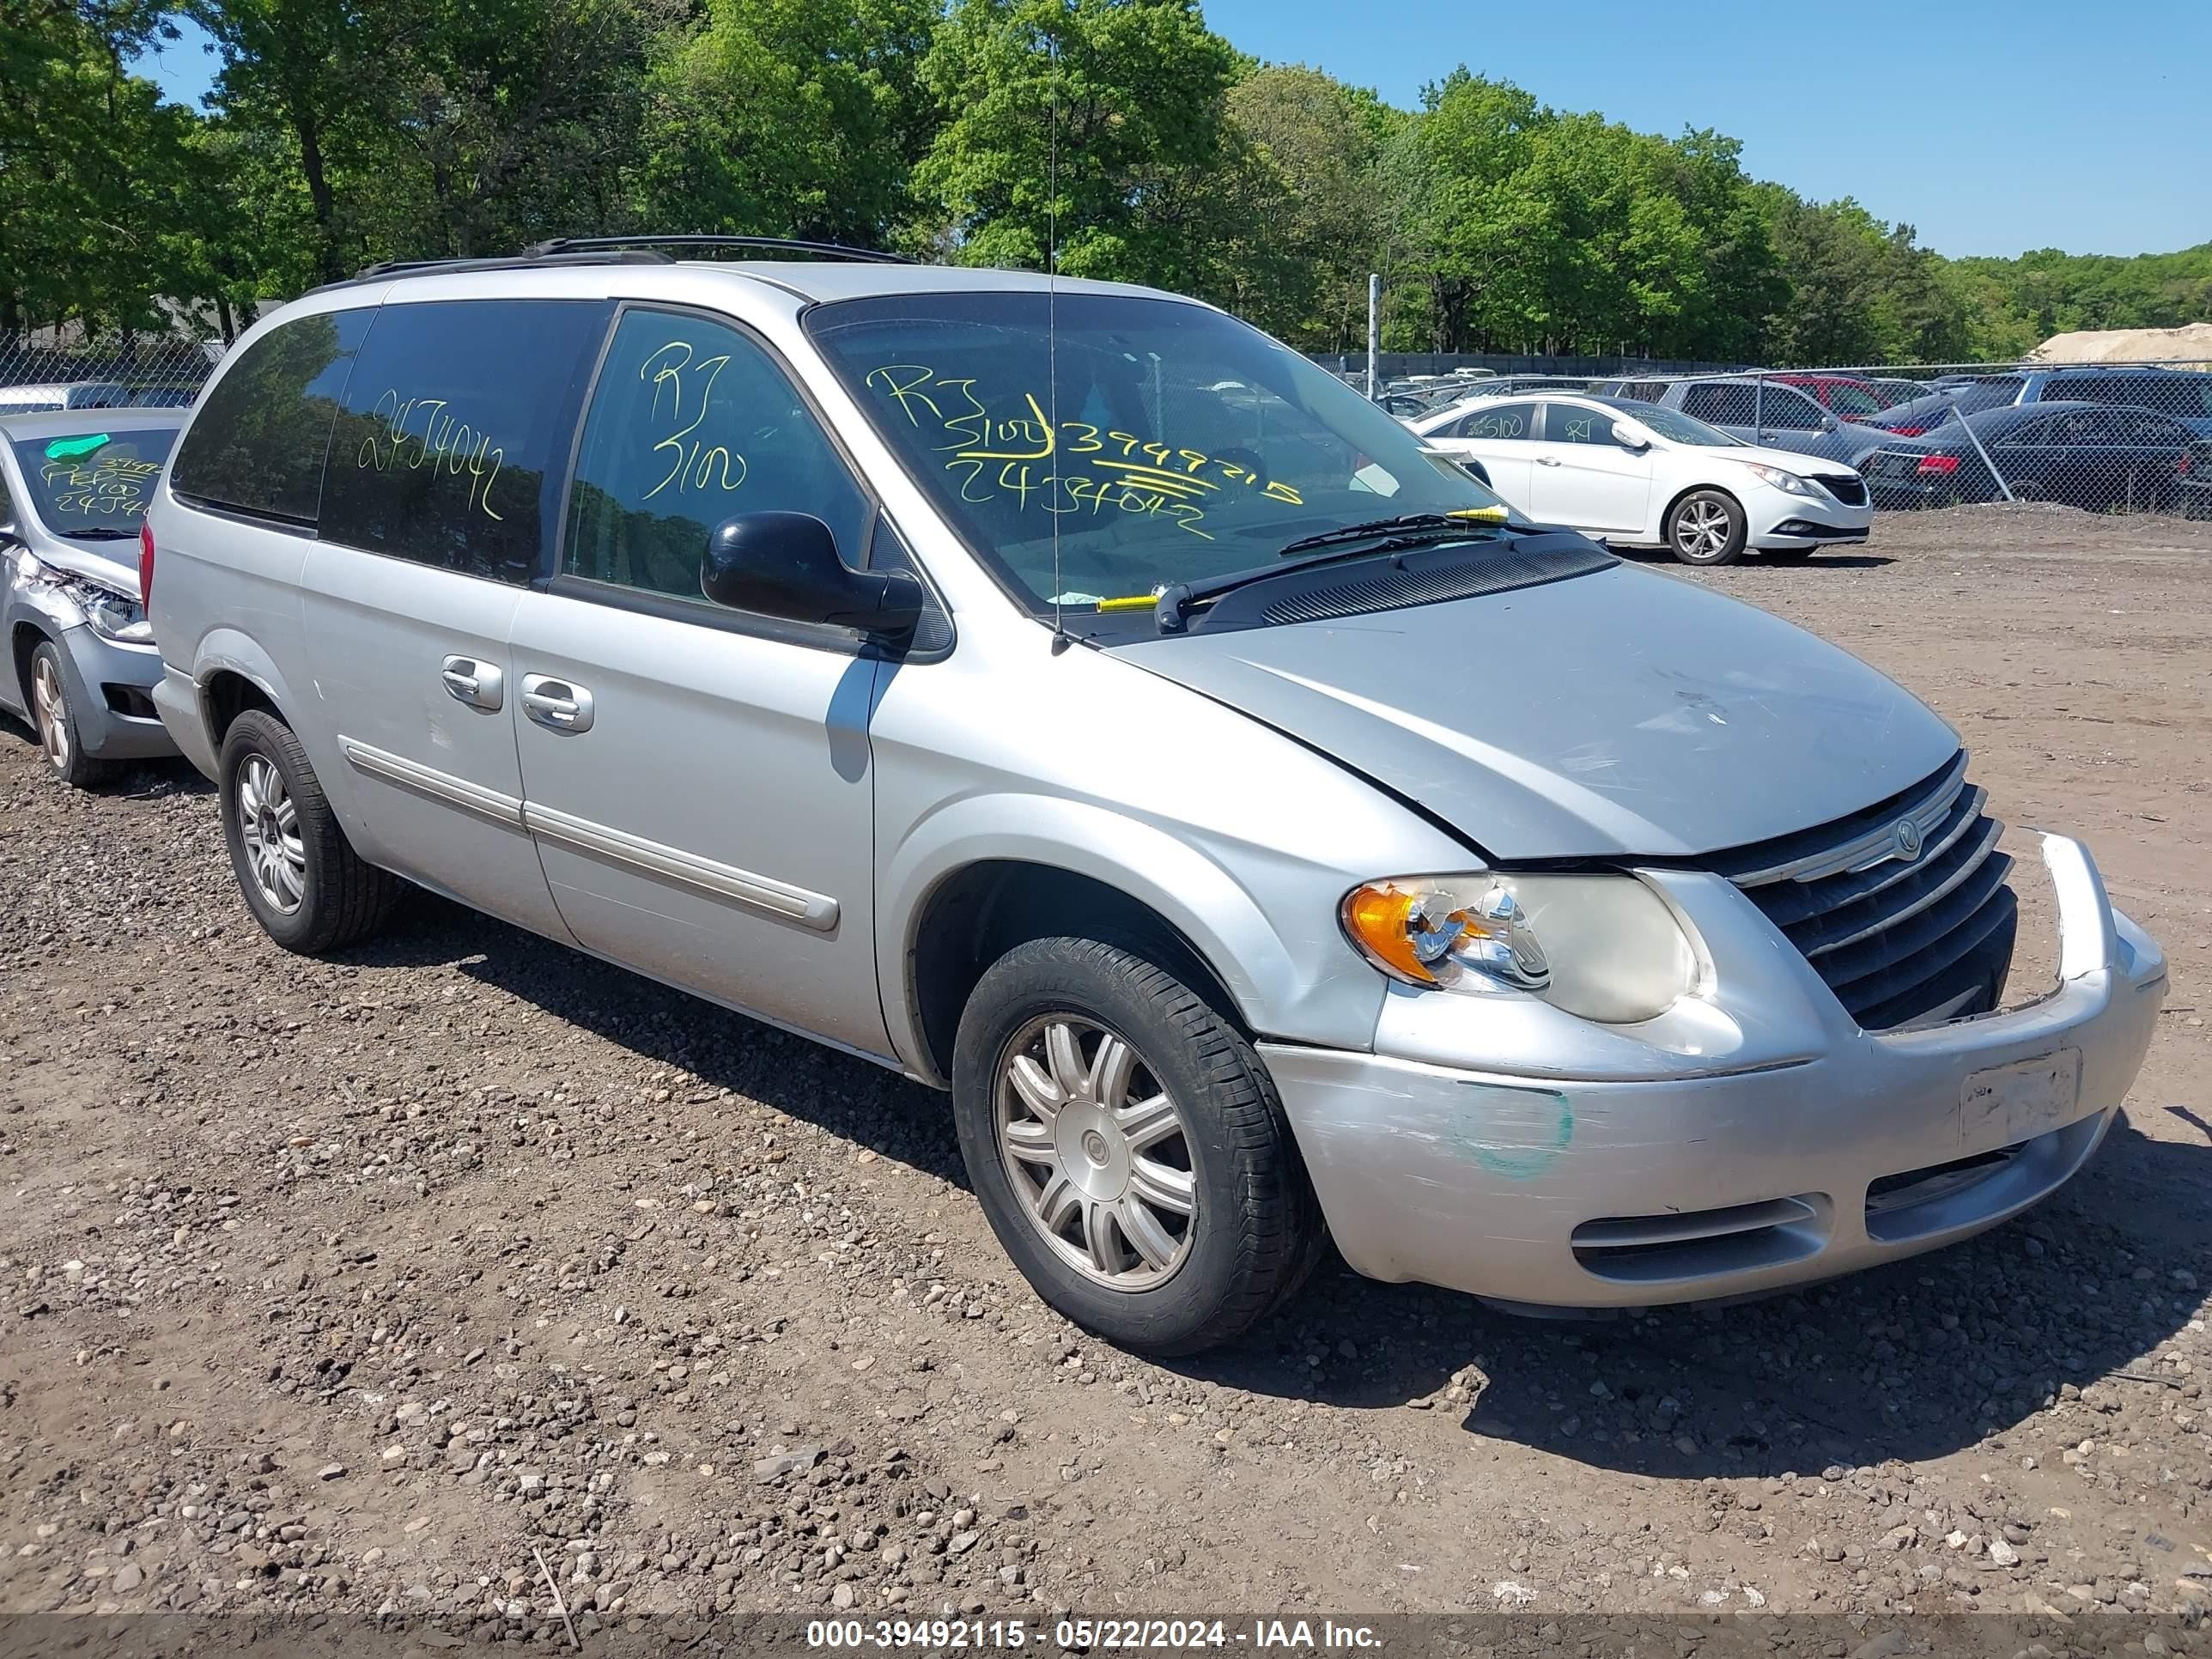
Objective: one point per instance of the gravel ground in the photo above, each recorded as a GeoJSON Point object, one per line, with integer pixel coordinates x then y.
{"type": "Point", "coordinates": [358, 1286]}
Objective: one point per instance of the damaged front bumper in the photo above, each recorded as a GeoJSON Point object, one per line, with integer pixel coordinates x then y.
{"type": "Point", "coordinates": [1759, 1141]}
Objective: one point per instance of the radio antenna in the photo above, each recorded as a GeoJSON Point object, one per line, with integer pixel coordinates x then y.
{"type": "Point", "coordinates": [1060, 639]}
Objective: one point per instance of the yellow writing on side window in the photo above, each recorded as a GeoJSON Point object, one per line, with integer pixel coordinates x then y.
{"type": "Point", "coordinates": [444, 442]}
{"type": "Point", "coordinates": [683, 385]}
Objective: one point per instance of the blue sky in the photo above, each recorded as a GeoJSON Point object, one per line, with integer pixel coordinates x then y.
{"type": "Point", "coordinates": [1993, 126]}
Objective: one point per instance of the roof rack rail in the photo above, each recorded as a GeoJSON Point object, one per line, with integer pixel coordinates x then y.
{"type": "Point", "coordinates": [560, 244]}
{"type": "Point", "coordinates": [498, 262]}
{"type": "Point", "coordinates": [624, 250]}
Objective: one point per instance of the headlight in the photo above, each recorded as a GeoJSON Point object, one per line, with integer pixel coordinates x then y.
{"type": "Point", "coordinates": [1787, 483]}
{"type": "Point", "coordinates": [1606, 948]}
{"type": "Point", "coordinates": [108, 613]}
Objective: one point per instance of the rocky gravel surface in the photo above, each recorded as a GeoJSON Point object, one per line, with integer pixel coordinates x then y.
{"type": "Point", "coordinates": [463, 1272]}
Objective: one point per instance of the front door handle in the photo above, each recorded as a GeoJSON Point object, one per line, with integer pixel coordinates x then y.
{"type": "Point", "coordinates": [1548, 460]}
{"type": "Point", "coordinates": [558, 705]}
{"type": "Point", "coordinates": [479, 684]}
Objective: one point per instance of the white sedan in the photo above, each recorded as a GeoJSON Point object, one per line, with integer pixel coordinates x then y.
{"type": "Point", "coordinates": [1637, 474]}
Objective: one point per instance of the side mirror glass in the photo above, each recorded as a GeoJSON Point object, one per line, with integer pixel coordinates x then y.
{"type": "Point", "coordinates": [786, 565]}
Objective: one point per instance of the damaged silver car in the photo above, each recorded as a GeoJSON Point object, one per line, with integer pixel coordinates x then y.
{"type": "Point", "coordinates": [82, 665]}
{"type": "Point", "coordinates": [1068, 696]}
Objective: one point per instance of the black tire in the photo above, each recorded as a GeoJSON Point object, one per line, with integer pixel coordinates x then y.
{"type": "Point", "coordinates": [341, 899]}
{"type": "Point", "coordinates": [1254, 1231]}
{"type": "Point", "coordinates": [1691, 525]}
{"type": "Point", "coordinates": [53, 721]}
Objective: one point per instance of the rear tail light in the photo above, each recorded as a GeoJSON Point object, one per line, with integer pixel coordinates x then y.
{"type": "Point", "coordinates": [1933, 467]}
{"type": "Point", "coordinates": [145, 565]}
{"type": "Point", "coordinates": [2182, 467]}
{"type": "Point", "coordinates": [1908, 431]}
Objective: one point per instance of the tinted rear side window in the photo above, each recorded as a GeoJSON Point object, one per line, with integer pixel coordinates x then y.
{"type": "Point", "coordinates": [453, 442]}
{"type": "Point", "coordinates": [258, 442]}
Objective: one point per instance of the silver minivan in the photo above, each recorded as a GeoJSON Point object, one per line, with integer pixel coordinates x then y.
{"type": "Point", "coordinates": [1062, 694]}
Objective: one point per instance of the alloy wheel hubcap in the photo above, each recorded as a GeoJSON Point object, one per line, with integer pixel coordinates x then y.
{"type": "Point", "coordinates": [1702, 527]}
{"type": "Point", "coordinates": [268, 828]}
{"type": "Point", "coordinates": [1097, 1152]}
{"type": "Point", "coordinates": [51, 710]}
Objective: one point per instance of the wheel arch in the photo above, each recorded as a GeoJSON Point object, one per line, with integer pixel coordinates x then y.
{"type": "Point", "coordinates": [232, 675]}
{"type": "Point", "coordinates": [23, 638]}
{"type": "Point", "coordinates": [1667, 513]}
{"type": "Point", "coordinates": [964, 889]}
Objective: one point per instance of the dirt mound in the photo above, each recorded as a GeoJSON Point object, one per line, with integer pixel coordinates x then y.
{"type": "Point", "coordinates": [2191, 343]}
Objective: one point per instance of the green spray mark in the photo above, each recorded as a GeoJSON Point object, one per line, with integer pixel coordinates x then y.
{"type": "Point", "coordinates": [68, 449]}
{"type": "Point", "coordinates": [1541, 1122]}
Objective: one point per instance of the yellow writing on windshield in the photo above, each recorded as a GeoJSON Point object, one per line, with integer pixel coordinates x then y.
{"type": "Point", "coordinates": [444, 442]}
{"type": "Point", "coordinates": [108, 485]}
{"type": "Point", "coordinates": [1023, 458]}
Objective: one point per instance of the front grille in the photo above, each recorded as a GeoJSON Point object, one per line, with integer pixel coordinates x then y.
{"type": "Point", "coordinates": [1901, 941]}
{"type": "Point", "coordinates": [1846, 487]}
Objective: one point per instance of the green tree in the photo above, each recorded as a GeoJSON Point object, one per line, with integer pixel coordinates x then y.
{"type": "Point", "coordinates": [1481, 236]}
{"type": "Point", "coordinates": [789, 118]}
{"type": "Point", "coordinates": [1324, 216]}
{"type": "Point", "coordinates": [316, 71]}
{"type": "Point", "coordinates": [95, 176]}
{"type": "Point", "coordinates": [1131, 94]}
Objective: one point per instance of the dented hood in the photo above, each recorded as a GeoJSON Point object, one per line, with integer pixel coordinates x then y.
{"type": "Point", "coordinates": [1622, 713]}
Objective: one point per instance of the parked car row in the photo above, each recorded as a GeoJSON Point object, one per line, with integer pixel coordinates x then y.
{"type": "Point", "coordinates": [2088, 455]}
{"type": "Point", "coordinates": [1654, 467]}
{"type": "Point", "coordinates": [1065, 695]}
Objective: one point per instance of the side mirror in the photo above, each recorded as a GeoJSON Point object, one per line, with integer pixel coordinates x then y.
{"type": "Point", "coordinates": [786, 565]}
{"type": "Point", "coordinates": [1628, 437]}
{"type": "Point", "coordinates": [1827, 423]}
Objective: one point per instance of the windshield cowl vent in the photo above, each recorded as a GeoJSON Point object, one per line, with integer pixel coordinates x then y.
{"type": "Point", "coordinates": [1427, 579]}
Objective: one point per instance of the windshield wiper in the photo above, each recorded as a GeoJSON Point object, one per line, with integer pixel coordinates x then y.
{"type": "Point", "coordinates": [1400, 527]}
{"type": "Point", "coordinates": [101, 533]}
{"type": "Point", "coordinates": [1383, 535]}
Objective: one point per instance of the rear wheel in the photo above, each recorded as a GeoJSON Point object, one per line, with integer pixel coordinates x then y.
{"type": "Point", "coordinates": [306, 885]}
{"type": "Point", "coordinates": [1128, 1147]}
{"type": "Point", "coordinates": [1705, 526]}
{"type": "Point", "coordinates": [56, 722]}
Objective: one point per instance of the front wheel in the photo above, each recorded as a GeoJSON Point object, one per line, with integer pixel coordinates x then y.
{"type": "Point", "coordinates": [56, 722]}
{"type": "Point", "coordinates": [1128, 1147]}
{"type": "Point", "coordinates": [1705, 527]}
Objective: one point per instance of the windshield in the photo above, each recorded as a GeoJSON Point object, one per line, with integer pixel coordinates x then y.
{"type": "Point", "coordinates": [1682, 428]}
{"type": "Point", "coordinates": [1167, 442]}
{"type": "Point", "coordinates": [94, 485]}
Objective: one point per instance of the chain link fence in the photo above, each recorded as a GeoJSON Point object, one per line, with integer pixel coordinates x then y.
{"type": "Point", "coordinates": [2099, 437]}
{"type": "Point", "coordinates": [141, 373]}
